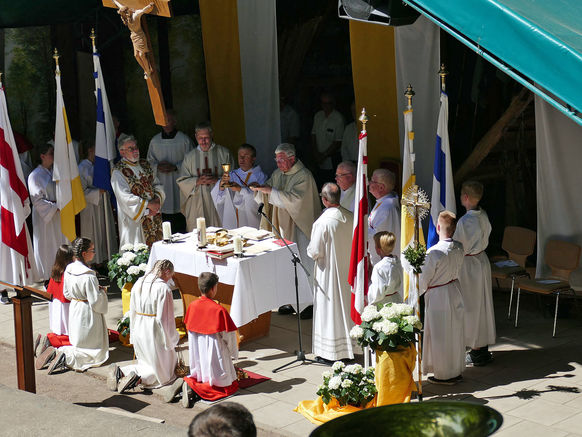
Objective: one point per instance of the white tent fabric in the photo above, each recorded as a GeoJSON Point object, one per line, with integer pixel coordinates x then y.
{"type": "Point", "coordinates": [257, 28]}
{"type": "Point", "coordinates": [558, 158]}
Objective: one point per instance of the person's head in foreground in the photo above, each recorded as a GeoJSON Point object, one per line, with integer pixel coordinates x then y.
{"type": "Point", "coordinates": [446, 225]}
{"type": "Point", "coordinates": [227, 419]}
{"type": "Point", "coordinates": [208, 284]}
{"type": "Point", "coordinates": [384, 241]}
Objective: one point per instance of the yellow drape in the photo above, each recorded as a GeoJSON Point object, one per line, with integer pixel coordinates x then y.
{"type": "Point", "coordinates": [394, 379]}
{"type": "Point", "coordinates": [223, 71]}
{"type": "Point", "coordinates": [317, 412]}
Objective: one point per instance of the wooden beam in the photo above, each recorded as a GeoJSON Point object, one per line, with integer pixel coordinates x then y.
{"type": "Point", "coordinates": [493, 135]}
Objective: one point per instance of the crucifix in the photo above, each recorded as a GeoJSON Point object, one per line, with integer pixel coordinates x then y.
{"type": "Point", "coordinates": [132, 12]}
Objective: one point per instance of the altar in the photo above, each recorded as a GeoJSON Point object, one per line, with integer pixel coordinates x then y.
{"type": "Point", "coordinates": [249, 287]}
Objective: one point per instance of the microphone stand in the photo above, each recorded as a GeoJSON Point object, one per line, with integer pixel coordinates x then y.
{"type": "Point", "coordinates": [299, 354]}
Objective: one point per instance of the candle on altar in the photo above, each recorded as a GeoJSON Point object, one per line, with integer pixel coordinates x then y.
{"type": "Point", "coordinates": [238, 245]}
{"type": "Point", "coordinates": [201, 225]}
{"type": "Point", "coordinates": [166, 231]}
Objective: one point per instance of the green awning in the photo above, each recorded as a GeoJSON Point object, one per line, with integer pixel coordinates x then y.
{"type": "Point", "coordinates": [537, 42]}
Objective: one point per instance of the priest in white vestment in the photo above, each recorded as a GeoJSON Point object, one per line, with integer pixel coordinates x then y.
{"type": "Point", "coordinates": [139, 195]}
{"type": "Point", "coordinates": [443, 349]}
{"type": "Point", "coordinates": [200, 171]}
{"type": "Point", "coordinates": [345, 177]}
{"type": "Point", "coordinates": [330, 249]}
{"type": "Point", "coordinates": [385, 216]}
{"type": "Point", "coordinates": [97, 222]}
{"type": "Point", "coordinates": [165, 154]}
{"type": "Point", "coordinates": [46, 218]}
{"type": "Point", "coordinates": [87, 326]}
{"type": "Point", "coordinates": [153, 328]}
{"type": "Point", "coordinates": [236, 204]}
{"type": "Point", "coordinates": [473, 230]}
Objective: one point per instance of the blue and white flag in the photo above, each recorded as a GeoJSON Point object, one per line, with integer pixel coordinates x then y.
{"type": "Point", "coordinates": [443, 190]}
{"type": "Point", "coordinates": [105, 149]}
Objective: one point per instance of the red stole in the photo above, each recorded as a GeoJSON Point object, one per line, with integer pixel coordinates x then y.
{"type": "Point", "coordinates": [204, 316]}
{"type": "Point", "coordinates": [56, 289]}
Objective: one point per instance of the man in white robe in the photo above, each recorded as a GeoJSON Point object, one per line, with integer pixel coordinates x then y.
{"type": "Point", "coordinates": [236, 204]}
{"type": "Point", "coordinates": [385, 216]}
{"type": "Point", "coordinates": [443, 349]}
{"type": "Point", "coordinates": [330, 248]}
{"type": "Point", "coordinates": [165, 155]}
{"type": "Point", "coordinates": [46, 218]}
{"type": "Point", "coordinates": [291, 200]}
{"type": "Point", "coordinates": [97, 217]}
{"type": "Point", "coordinates": [345, 177]}
{"type": "Point", "coordinates": [201, 169]}
{"type": "Point", "coordinates": [473, 230]}
{"type": "Point", "coordinates": [139, 197]}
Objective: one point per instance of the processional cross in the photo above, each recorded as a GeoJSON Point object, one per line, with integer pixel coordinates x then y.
{"type": "Point", "coordinates": [131, 12]}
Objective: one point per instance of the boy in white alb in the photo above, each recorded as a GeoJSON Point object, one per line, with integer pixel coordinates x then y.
{"type": "Point", "coordinates": [386, 284]}
{"type": "Point", "coordinates": [443, 346]}
{"type": "Point", "coordinates": [473, 232]}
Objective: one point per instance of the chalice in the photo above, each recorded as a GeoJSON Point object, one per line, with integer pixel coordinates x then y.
{"type": "Point", "coordinates": [226, 170]}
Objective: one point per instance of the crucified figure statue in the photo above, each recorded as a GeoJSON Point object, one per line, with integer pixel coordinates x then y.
{"type": "Point", "coordinates": [132, 19]}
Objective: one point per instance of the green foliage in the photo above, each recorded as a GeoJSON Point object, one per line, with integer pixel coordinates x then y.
{"type": "Point", "coordinates": [123, 326]}
{"type": "Point", "coordinates": [350, 385]}
{"type": "Point", "coordinates": [415, 256]}
{"type": "Point", "coordinates": [128, 265]}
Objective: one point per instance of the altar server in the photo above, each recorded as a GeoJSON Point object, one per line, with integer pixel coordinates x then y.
{"type": "Point", "coordinates": [473, 232]}
{"type": "Point", "coordinates": [201, 169]}
{"type": "Point", "coordinates": [87, 327]}
{"type": "Point", "coordinates": [386, 283]}
{"type": "Point", "coordinates": [443, 350]}
{"type": "Point", "coordinates": [59, 306]}
{"type": "Point", "coordinates": [212, 343]}
{"type": "Point", "coordinates": [46, 217]}
{"type": "Point", "coordinates": [97, 222]}
{"type": "Point", "coordinates": [236, 204]}
{"type": "Point", "coordinates": [331, 241]}
{"type": "Point", "coordinates": [153, 333]}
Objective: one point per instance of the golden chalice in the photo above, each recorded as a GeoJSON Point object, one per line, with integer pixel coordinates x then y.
{"type": "Point", "coordinates": [226, 170]}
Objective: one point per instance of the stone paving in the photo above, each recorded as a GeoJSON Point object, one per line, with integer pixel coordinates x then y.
{"type": "Point", "coordinates": [535, 380]}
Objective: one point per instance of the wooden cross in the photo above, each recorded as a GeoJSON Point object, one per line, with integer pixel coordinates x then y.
{"type": "Point", "coordinates": [131, 12]}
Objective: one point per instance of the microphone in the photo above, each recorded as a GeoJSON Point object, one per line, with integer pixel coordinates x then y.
{"type": "Point", "coordinates": [261, 206]}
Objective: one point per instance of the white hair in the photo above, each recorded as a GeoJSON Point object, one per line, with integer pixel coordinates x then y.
{"type": "Point", "coordinates": [286, 148]}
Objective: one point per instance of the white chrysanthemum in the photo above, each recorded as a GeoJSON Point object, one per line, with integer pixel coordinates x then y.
{"type": "Point", "coordinates": [122, 262]}
{"type": "Point", "coordinates": [388, 311]}
{"type": "Point", "coordinates": [126, 247]}
{"type": "Point", "coordinates": [337, 366]}
{"type": "Point", "coordinates": [143, 267]}
{"type": "Point", "coordinates": [346, 383]}
{"type": "Point", "coordinates": [140, 246]}
{"type": "Point", "coordinates": [356, 332]}
{"type": "Point", "coordinates": [326, 374]}
{"type": "Point", "coordinates": [129, 256]}
{"type": "Point", "coordinates": [334, 383]}
{"type": "Point", "coordinates": [370, 313]}
{"type": "Point", "coordinates": [414, 321]}
{"type": "Point", "coordinates": [133, 270]}
{"type": "Point", "coordinates": [389, 328]}
{"type": "Point", "coordinates": [402, 309]}
{"type": "Point", "coordinates": [354, 369]}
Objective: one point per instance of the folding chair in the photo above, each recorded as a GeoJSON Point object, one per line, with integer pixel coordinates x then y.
{"type": "Point", "coordinates": [563, 258]}
{"type": "Point", "coordinates": [519, 243]}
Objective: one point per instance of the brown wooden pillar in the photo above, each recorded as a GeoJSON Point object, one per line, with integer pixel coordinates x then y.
{"type": "Point", "coordinates": [24, 342]}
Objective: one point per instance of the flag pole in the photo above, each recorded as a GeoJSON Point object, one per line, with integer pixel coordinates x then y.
{"type": "Point", "coordinates": [443, 74]}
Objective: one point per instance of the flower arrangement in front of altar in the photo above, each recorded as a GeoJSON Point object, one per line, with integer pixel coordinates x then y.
{"type": "Point", "coordinates": [350, 385]}
{"type": "Point", "coordinates": [387, 327]}
{"type": "Point", "coordinates": [129, 264]}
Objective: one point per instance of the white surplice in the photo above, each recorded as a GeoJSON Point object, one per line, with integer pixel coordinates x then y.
{"type": "Point", "coordinates": [211, 357]}
{"type": "Point", "coordinates": [385, 216]}
{"type": "Point", "coordinates": [443, 349]}
{"type": "Point", "coordinates": [347, 198]}
{"type": "Point", "coordinates": [173, 151]}
{"type": "Point", "coordinates": [473, 231]}
{"type": "Point", "coordinates": [96, 214]}
{"type": "Point", "coordinates": [196, 201]}
{"type": "Point", "coordinates": [330, 248]}
{"type": "Point", "coordinates": [87, 327]}
{"type": "Point", "coordinates": [46, 220]}
{"type": "Point", "coordinates": [386, 283]}
{"type": "Point", "coordinates": [241, 209]}
{"type": "Point", "coordinates": [153, 332]}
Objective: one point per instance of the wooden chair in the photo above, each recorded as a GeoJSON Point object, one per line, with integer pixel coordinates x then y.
{"type": "Point", "coordinates": [518, 243]}
{"type": "Point", "coordinates": [563, 258]}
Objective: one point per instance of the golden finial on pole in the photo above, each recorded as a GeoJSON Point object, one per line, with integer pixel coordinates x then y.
{"type": "Point", "coordinates": [363, 119]}
{"type": "Point", "coordinates": [409, 93]}
{"type": "Point", "coordinates": [93, 36]}
{"type": "Point", "coordinates": [443, 74]}
{"type": "Point", "coordinates": [56, 58]}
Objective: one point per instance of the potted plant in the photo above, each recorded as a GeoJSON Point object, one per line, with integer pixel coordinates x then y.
{"type": "Point", "coordinates": [390, 329]}
{"type": "Point", "coordinates": [349, 385]}
{"type": "Point", "coordinates": [126, 267]}
{"type": "Point", "coordinates": [124, 330]}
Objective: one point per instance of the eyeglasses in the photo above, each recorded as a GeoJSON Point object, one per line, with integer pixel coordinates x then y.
{"type": "Point", "coordinates": [278, 160]}
{"type": "Point", "coordinates": [341, 175]}
{"type": "Point", "coordinates": [129, 149]}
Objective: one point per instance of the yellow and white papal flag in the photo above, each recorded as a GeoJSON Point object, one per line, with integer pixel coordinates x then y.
{"type": "Point", "coordinates": [70, 197]}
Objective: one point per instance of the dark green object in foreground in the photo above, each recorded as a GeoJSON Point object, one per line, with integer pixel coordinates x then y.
{"type": "Point", "coordinates": [426, 419]}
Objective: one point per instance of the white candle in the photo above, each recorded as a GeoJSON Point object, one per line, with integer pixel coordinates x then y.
{"type": "Point", "coordinates": [201, 225]}
{"type": "Point", "coordinates": [238, 245]}
{"type": "Point", "coordinates": [167, 231]}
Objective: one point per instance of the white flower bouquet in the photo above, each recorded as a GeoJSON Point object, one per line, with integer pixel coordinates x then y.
{"type": "Point", "coordinates": [129, 264]}
{"type": "Point", "coordinates": [348, 384]}
{"type": "Point", "coordinates": [387, 327]}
